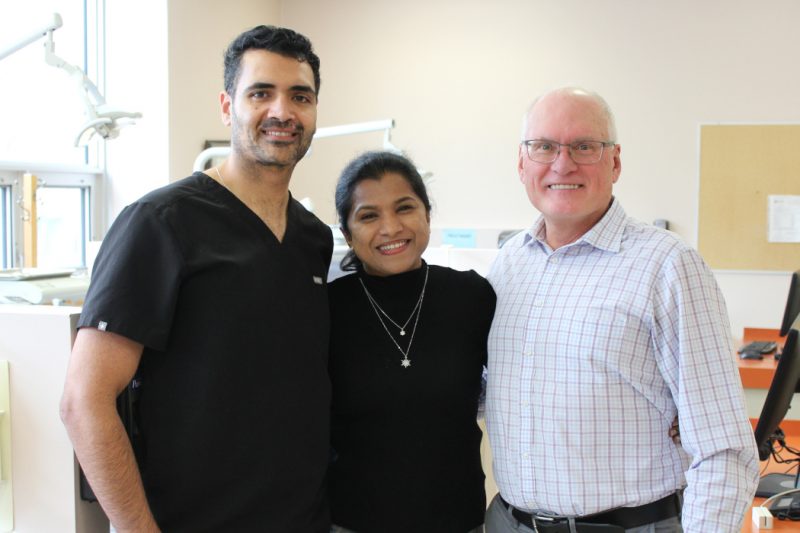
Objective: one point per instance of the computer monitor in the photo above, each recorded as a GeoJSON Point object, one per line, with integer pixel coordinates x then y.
{"type": "Point", "coordinates": [779, 398]}
{"type": "Point", "coordinates": [792, 305]}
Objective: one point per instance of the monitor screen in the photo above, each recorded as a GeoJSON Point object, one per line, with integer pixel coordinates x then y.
{"type": "Point", "coordinates": [779, 396]}
{"type": "Point", "coordinates": [792, 304]}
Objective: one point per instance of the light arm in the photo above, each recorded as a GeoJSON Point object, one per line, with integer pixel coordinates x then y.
{"type": "Point", "coordinates": [101, 119]}
{"type": "Point", "coordinates": [53, 25]}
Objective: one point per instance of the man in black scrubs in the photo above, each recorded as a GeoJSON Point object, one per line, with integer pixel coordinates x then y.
{"type": "Point", "coordinates": [212, 291]}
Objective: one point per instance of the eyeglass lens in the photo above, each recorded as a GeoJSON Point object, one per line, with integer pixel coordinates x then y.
{"type": "Point", "coordinates": [583, 152]}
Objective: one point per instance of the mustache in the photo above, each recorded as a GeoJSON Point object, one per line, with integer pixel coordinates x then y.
{"type": "Point", "coordinates": [286, 124]}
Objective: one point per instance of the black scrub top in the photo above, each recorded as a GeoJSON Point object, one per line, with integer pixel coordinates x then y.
{"type": "Point", "coordinates": [234, 404]}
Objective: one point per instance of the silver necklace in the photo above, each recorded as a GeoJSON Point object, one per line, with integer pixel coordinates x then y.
{"type": "Point", "coordinates": [221, 179]}
{"type": "Point", "coordinates": [380, 309]}
{"type": "Point", "coordinates": [405, 362]}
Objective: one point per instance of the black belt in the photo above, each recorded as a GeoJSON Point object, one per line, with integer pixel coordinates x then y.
{"type": "Point", "coordinates": [623, 517]}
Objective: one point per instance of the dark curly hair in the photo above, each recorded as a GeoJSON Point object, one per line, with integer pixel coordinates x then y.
{"type": "Point", "coordinates": [281, 41]}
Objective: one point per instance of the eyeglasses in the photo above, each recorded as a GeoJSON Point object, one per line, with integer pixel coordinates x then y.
{"type": "Point", "coordinates": [582, 152]}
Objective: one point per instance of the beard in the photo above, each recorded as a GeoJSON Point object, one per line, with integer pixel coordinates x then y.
{"type": "Point", "coordinates": [271, 153]}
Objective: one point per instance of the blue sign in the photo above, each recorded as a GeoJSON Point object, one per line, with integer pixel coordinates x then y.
{"type": "Point", "coordinates": [459, 237]}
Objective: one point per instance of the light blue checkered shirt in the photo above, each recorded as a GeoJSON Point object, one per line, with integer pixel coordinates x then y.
{"type": "Point", "coordinates": [594, 348]}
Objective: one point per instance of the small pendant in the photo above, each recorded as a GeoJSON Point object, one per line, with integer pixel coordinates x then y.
{"type": "Point", "coordinates": [405, 363]}
{"type": "Point", "coordinates": [402, 332]}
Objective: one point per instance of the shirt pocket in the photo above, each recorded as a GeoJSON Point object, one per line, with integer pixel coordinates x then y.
{"type": "Point", "coordinates": [604, 336]}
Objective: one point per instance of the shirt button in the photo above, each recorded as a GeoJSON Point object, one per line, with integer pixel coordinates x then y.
{"type": "Point", "coordinates": [554, 259]}
{"type": "Point", "coordinates": [525, 455]}
{"type": "Point", "coordinates": [526, 404]}
{"type": "Point", "coordinates": [538, 303]}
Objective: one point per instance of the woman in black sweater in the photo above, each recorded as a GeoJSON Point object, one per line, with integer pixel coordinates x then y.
{"type": "Point", "coordinates": [408, 349]}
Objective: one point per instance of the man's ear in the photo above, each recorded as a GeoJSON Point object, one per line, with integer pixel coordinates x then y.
{"type": "Point", "coordinates": [617, 163]}
{"type": "Point", "coordinates": [225, 103]}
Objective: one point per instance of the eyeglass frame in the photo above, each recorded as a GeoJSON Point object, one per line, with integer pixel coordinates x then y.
{"type": "Point", "coordinates": [603, 145]}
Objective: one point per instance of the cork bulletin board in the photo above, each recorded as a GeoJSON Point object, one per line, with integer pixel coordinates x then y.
{"type": "Point", "coordinates": [740, 166]}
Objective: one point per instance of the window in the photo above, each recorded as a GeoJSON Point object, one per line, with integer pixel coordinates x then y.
{"type": "Point", "coordinates": [66, 217]}
{"type": "Point", "coordinates": [43, 112]}
{"type": "Point", "coordinates": [63, 222]}
{"type": "Point", "coordinates": [41, 103]}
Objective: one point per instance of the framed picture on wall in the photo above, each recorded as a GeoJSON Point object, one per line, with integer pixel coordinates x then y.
{"type": "Point", "coordinates": [215, 161]}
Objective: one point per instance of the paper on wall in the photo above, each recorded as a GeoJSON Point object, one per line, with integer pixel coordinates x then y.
{"type": "Point", "coordinates": [783, 214]}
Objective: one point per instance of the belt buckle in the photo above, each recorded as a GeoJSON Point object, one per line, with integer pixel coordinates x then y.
{"type": "Point", "coordinates": [547, 520]}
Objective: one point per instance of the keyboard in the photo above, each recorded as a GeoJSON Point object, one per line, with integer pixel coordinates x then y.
{"type": "Point", "coordinates": [759, 347]}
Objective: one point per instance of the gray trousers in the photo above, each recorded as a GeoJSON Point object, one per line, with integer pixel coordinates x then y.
{"type": "Point", "coordinates": [500, 520]}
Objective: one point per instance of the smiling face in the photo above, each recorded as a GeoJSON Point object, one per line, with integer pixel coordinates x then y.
{"type": "Point", "coordinates": [572, 198]}
{"type": "Point", "coordinates": [273, 113]}
{"type": "Point", "coordinates": [388, 225]}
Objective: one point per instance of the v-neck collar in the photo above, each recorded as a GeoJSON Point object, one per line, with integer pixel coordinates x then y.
{"type": "Point", "coordinates": [225, 195]}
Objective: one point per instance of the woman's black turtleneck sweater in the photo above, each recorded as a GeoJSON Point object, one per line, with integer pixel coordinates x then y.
{"type": "Point", "coordinates": [406, 444]}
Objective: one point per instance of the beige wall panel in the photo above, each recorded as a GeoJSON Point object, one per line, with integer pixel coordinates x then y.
{"type": "Point", "coordinates": [741, 165]}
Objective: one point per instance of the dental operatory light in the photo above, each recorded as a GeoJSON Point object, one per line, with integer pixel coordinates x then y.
{"type": "Point", "coordinates": [385, 125]}
{"type": "Point", "coordinates": [102, 119]}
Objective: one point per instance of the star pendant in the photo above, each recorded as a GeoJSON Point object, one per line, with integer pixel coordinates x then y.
{"type": "Point", "coordinates": [405, 363]}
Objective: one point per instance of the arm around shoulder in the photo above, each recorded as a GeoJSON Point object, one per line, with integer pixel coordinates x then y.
{"type": "Point", "coordinates": [100, 367]}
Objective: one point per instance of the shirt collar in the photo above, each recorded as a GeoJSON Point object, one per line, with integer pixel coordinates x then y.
{"type": "Point", "coordinates": [605, 235]}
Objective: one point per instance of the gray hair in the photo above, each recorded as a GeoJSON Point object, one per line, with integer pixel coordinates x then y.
{"type": "Point", "coordinates": [572, 90]}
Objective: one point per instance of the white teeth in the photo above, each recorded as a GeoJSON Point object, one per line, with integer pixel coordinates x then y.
{"type": "Point", "coordinates": [280, 133]}
{"type": "Point", "coordinates": [392, 246]}
{"type": "Point", "coordinates": [559, 187]}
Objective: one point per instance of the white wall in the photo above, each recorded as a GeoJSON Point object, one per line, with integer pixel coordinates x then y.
{"type": "Point", "coordinates": [458, 74]}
